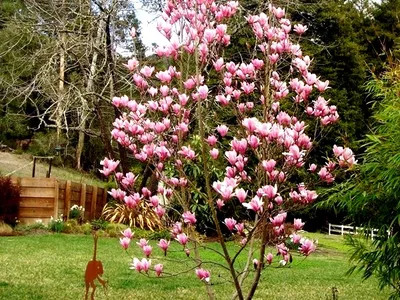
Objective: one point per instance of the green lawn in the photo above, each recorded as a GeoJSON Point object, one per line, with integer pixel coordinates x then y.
{"type": "Point", "coordinates": [52, 267]}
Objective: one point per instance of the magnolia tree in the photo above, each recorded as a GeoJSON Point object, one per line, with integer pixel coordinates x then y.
{"type": "Point", "coordinates": [273, 97]}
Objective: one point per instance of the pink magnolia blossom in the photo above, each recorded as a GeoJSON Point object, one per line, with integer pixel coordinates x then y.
{"type": "Point", "coordinates": [223, 100]}
{"type": "Point", "coordinates": [240, 228]}
{"type": "Point", "coordinates": [347, 158]}
{"type": "Point", "coordinates": [230, 223]}
{"type": "Point", "coordinates": [256, 204]}
{"type": "Point", "coordinates": [282, 249]}
{"type": "Point", "coordinates": [219, 64]}
{"type": "Point", "coordinates": [109, 166]}
{"type": "Point", "coordinates": [300, 29]}
{"type": "Point", "coordinates": [142, 243]}
{"type": "Point", "coordinates": [146, 264]}
{"type": "Point", "coordinates": [253, 141]}
{"type": "Point", "coordinates": [241, 194]}
{"type": "Point", "coordinates": [132, 64]}
{"type": "Point", "coordinates": [147, 249]}
{"type": "Point", "coordinates": [160, 211]}
{"type": "Point", "coordinates": [270, 191]}
{"type": "Point", "coordinates": [154, 201]}
{"type": "Point", "coordinates": [225, 188]}
{"type": "Point", "coordinates": [298, 224]}
{"type": "Point", "coordinates": [220, 203]}
{"type": "Point", "coordinates": [176, 229]}
{"type": "Point", "coordinates": [129, 179]}
{"type": "Point", "coordinates": [250, 124]}
{"type": "Point", "coordinates": [214, 153]}
{"type": "Point", "coordinates": [164, 76]}
{"type": "Point", "coordinates": [322, 85]}
{"type": "Point", "coordinates": [222, 130]}
{"type": "Point", "coordinates": [269, 258]}
{"type": "Point", "coordinates": [338, 151]}
{"type": "Point", "coordinates": [211, 140]}
{"type": "Point", "coordinates": [203, 275]}
{"type": "Point", "coordinates": [130, 201]}
{"type": "Point", "coordinates": [125, 241]}
{"type": "Point", "coordinates": [307, 247]}
{"type": "Point", "coordinates": [127, 233]}
{"type": "Point", "coordinates": [278, 200]}
{"type": "Point", "coordinates": [158, 269]}
{"type": "Point", "coordinates": [146, 71]}
{"type": "Point", "coordinates": [117, 194]}
{"type": "Point", "coordinates": [240, 146]}
{"type": "Point", "coordinates": [295, 238]}
{"type": "Point", "coordinates": [182, 239]}
{"type": "Point", "coordinates": [137, 265]}
{"type": "Point", "coordinates": [269, 165]}
{"type": "Point", "coordinates": [203, 92]}
{"type": "Point", "coordinates": [187, 252]}
{"type": "Point", "coordinates": [189, 84]}
{"type": "Point", "coordinates": [164, 244]}
{"type": "Point", "coordinates": [187, 152]}
{"type": "Point", "coordinates": [278, 220]}
{"type": "Point", "coordinates": [312, 168]}
{"type": "Point", "coordinates": [325, 175]}
{"type": "Point", "coordinates": [189, 218]}
{"type": "Point", "coordinates": [142, 265]}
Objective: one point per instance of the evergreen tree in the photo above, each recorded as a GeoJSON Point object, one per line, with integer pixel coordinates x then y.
{"type": "Point", "coordinates": [371, 199]}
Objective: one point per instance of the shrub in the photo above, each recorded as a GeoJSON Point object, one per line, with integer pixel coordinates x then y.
{"type": "Point", "coordinates": [5, 229]}
{"type": "Point", "coordinates": [77, 212]}
{"type": "Point", "coordinates": [37, 227]}
{"type": "Point", "coordinates": [86, 228]}
{"type": "Point", "coordinates": [9, 201]}
{"type": "Point", "coordinates": [57, 225]}
{"type": "Point", "coordinates": [72, 226]}
{"type": "Point", "coordinates": [142, 216]}
{"type": "Point", "coordinates": [114, 229]}
{"type": "Point", "coordinates": [99, 224]}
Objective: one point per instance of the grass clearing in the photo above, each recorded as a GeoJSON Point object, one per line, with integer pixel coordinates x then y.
{"type": "Point", "coordinates": [52, 267]}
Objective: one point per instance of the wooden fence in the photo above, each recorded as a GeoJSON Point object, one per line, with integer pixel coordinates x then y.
{"type": "Point", "coordinates": [43, 198]}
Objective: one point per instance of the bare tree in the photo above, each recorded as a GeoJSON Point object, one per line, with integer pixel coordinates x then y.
{"type": "Point", "coordinates": [78, 75]}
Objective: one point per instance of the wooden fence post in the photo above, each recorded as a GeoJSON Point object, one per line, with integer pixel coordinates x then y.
{"type": "Point", "coordinates": [67, 200]}
{"type": "Point", "coordinates": [342, 229]}
{"type": "Point", "coordinates": [329, 228]}
{"type": "Point", "coordinates": [83, 196]}
{"type": "Point", "coordinates": [56, 192]}
{"type": "Point", "coordinates": [93, 204]}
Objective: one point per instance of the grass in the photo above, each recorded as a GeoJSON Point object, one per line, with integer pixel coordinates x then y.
{"type": "Point", "coordinates": [52, 267]}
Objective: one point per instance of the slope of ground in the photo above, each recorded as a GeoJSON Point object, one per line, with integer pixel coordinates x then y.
{"type": "Point", "coordinates": [20, 165]}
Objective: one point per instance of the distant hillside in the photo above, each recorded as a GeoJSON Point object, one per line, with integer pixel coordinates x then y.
{"type": "Point", "coordinates": [20, 165]}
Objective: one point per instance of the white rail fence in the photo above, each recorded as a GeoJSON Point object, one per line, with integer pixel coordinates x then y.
{"type": "Point", "coordinates": [347, 229]}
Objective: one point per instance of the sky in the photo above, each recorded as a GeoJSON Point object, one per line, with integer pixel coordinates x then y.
{"type": "Point", "coordinates": [149, 32]}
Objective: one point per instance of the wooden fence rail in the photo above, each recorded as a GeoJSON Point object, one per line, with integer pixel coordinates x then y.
{"type": "Point", "coordinates": [348, 229]}
{"type": "Point", "coordinates": [43, 198]}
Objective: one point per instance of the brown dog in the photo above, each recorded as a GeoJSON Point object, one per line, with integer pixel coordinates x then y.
{"type": "Point", "coordinates": [94, 270]}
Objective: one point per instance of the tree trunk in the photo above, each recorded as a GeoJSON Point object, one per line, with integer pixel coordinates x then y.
{"type": "Point", "coordinates": [111, 67]}
{"type": "Point", "coordinates": [60, 102]}
{"type": "Point", "coordinates": [89, 88]}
